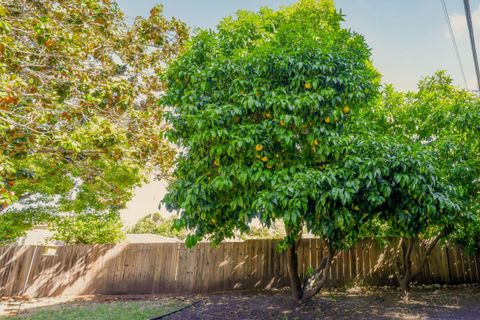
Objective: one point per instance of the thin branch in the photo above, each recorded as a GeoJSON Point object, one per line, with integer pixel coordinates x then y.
{"type": "Point", "coordinates": [429, 248]}
{"type": "Point", "coordinates": [21, 125]}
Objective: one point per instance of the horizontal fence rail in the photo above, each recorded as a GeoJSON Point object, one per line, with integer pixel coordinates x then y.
{"type": "Point", "coordinates": [172, 268]}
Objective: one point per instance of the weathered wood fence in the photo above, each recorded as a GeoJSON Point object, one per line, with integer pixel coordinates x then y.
{"type": "Point", "coordinates": [171, 268]}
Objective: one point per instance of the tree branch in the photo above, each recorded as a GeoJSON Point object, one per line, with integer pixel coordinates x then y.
{"type": "Point", "coordinates": [315, 281]}
{"type": "Point", "coordinates": [430, 245]}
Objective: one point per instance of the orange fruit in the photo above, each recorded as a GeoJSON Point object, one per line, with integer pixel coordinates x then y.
{"type": "Point", "coordinates": [346, 109]}
{"type": "Point", "coordinates": [264, 159]}
{"type": "Point", "coordinates": [328, 120]}
{"type": "Point", "coordinates": [315, 142]}
{"type": "Point", "coordinates": [259, 147]}
{"type": "Point", "coordinates": [308, 85]}
{"type": "Point", "coordinates": [8, 99]}
{"type": "Point", "coordinates": [49, 43]}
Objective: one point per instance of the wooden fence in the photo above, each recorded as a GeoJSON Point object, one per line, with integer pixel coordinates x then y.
{"type": "Point", "coordinates": [171, 268]}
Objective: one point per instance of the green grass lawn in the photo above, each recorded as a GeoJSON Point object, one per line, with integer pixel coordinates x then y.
{"type": "Point", "coordinates": [131, 310]}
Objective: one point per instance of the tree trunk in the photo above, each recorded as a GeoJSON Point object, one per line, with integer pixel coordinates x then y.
{"type": "Point", "coordinates": [404, 264]}
{"type": "Point", "coordinates": [404, 271]}
{"type": "Point", "coordinates": [292, 260]}
{"type": "Point", "coordinates": [405, 287]}
{"type": "Point", "coordinates": [304, 290]}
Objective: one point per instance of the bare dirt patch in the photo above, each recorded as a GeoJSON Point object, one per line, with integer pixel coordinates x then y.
{"type": "Point", "coordinates": [386, 303]}
{"type": "Point", "coordinates": [432, 302]}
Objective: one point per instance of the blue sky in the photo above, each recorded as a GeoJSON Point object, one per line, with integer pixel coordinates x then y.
{"type": "Point", "coordinates": [409, 38]}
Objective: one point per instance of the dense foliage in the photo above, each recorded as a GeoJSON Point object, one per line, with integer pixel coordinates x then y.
{"type": "Point", "coordinates": [256, 103]}
{"type": "Point", "coordinates": [88, 228]}
{"type": "Point", "coordinates": [14, 224]}
{"type": "Point", "coordinates": [80, 126]}
{"type": "Point", "coordinates": [78, 107]}
{"type": "Point", "coordinates": [446, 120]}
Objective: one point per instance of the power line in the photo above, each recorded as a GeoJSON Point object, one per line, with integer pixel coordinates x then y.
{"type": "Point", "coordinates": [452, 36]}
{"type": "Point", "coordinates": [472, 39]}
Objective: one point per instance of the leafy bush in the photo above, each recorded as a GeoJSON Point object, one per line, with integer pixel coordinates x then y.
{"type": "Point", "coordinates": [15, 224]}
{"type": "Point", "coordinates": [156, 224]}
{"type": "Point", "coordinates": [88, 228]}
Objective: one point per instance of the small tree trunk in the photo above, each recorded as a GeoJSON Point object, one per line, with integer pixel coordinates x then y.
{"type": "Point", "coordinates": [292, 262]}
{"type": "Point", "coordinates": [404, 264]}
{"type": "Point", "coordinates": [404, 271]}
{"type": "Point", "coordinates": [405, 286]}
{"type": "Point", "coordinates": [405, 280]}
{"type": "Point", "coordinates": [310, 286]}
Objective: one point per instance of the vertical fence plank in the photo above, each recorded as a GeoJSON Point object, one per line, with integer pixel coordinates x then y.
{"type": "Point", "coordinates": [476, 265]}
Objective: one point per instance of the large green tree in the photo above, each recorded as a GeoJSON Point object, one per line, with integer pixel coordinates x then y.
{"type": "Point", "coordinates": [262, 110]}
{"type": "Point", "coordinates": [79, 121]}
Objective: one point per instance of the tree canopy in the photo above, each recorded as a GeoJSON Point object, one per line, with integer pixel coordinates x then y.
{"type": "Point", "coordinates": [445, 120]}
{"type": "Point", "coordinates": [79, 119]}
{"type": "Point", "coordinates": [257, 102]}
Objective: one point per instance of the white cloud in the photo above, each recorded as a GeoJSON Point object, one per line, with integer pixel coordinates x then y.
{"type": "Point", "coordinates": [459, 24]}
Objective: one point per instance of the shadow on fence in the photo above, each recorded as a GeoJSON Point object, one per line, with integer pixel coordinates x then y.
{"type": "Point", "coordinates": [172, 268]}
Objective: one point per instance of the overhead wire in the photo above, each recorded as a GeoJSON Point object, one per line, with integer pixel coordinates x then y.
{"type": "Point", "coordinates": [452, 36]}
